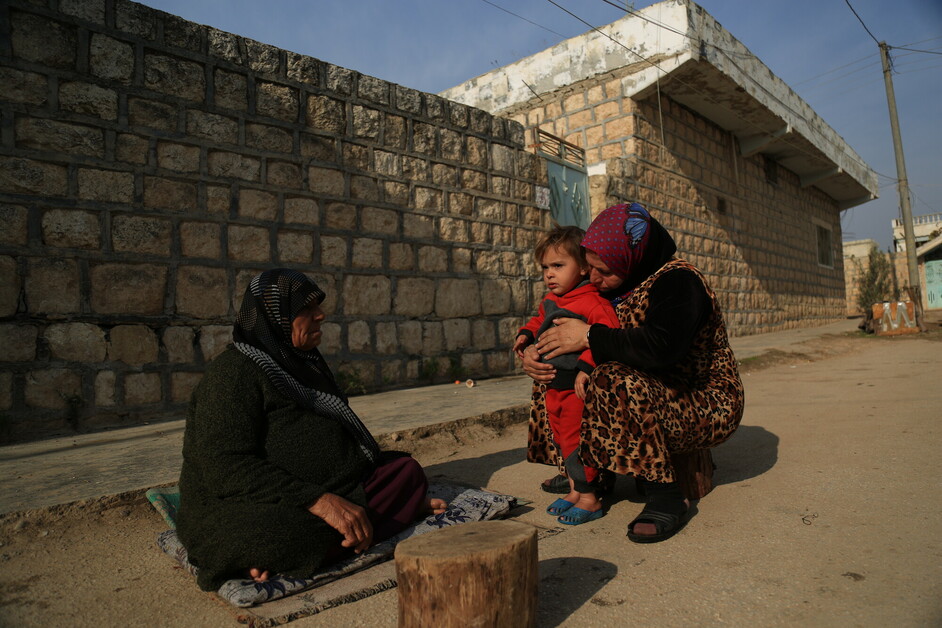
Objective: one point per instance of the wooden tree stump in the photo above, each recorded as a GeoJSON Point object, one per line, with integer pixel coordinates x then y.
{"type": "Point", "coordinates": [474, 574]}
{"type": "Point", "coordinates": [694, 472]}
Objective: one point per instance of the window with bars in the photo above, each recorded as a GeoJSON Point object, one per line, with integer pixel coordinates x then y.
{"type": "Point", "coordinates": [825, 247]}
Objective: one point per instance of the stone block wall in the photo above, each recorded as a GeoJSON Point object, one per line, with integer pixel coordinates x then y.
{"type": "Point", "coordinates": [149, 167]}
{"type": "Point", "coordinates": [748, 224]}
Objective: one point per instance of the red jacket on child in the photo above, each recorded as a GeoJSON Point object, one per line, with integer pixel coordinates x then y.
{"type": "Point", "coordinates": [584, 303]}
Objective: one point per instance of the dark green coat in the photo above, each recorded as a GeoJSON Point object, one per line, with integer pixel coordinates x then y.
{"type": "Point", "coordinates": [253, 461]}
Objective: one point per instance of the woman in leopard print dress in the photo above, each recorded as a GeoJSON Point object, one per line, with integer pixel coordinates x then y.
{"type": "Point", "coordinates": [666, 382]}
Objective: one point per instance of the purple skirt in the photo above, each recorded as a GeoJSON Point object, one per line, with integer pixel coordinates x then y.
{"type": "Point", "coordinates": [396, 496]}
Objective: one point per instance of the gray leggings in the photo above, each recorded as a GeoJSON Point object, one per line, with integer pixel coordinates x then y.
{"type": "Point", "coordinates": [576, 472]}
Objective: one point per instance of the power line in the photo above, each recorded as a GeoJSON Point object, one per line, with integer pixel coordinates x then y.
{"type": "Point", "coordinates": [862, 22]}
{"type": "Point", "coordinates": [928, 52]}
{"type": "Point", "coordinates": [839, 80]}
{"type": "Point", "coordinates": [645, 18]}
{"type": "Point", "coordinates": [916, 62]}
{"type": "Point", "coordinates": [839, 86]}
{"type": "Point", "coordinates": [922, 41]}
{"type": "Point", "coordinates": [914, 70]}
{"type": "Point", "coordinates": [822, 98]}
{"type": "Point", "coordinates": [866, 67]}
{"type": "Point", "coordinates": [523, 18]}
{"type": "Point", "coordinates": [928, 206]}
{"type": "Point", "coordinates": [832, 71]}
{"type": "Point", "coordinates": [670, 28]}
{"type": "Point", "coordinates": [730, 53]}
{"type": "Point", "coordinates": [909, 54]}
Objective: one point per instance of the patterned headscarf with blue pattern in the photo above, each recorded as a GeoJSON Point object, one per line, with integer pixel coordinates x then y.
{"type": "Point", "coordinates": [630, 242]}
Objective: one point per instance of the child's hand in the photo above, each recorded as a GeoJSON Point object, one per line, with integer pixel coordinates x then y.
{"type": "Point", "coordinates": [519, 345]}
{"type": "Point", "coordinates": [582, 384]}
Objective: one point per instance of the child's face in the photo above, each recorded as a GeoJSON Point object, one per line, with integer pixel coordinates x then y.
{"type": "Point", "coordinates": [561, 271]}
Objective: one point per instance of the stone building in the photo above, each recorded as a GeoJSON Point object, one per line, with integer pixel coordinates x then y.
{"type": "Point", "coordinates": [150, 166]}
{"type": "Point", "coordinates": [667, 108]}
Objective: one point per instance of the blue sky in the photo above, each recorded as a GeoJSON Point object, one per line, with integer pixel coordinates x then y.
{"type": "Point", "coordinates": [818, 47]}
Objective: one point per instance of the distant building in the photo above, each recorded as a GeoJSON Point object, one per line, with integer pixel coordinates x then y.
{"type": "Point", "coordinates": [925, 228]}
{"type": "Point", "coordinates": [927, 231]}
{"type": "Point", "coordinates": [928, 265]}
{"type": "Point", "coordinates": [929, 258]}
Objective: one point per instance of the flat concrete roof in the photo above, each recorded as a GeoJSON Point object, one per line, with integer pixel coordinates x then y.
{"type": "Point", "coordinates": [678, 48]}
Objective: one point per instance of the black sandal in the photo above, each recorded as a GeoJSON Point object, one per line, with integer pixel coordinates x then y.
{"type": "Point", "coordinates": [605, 483]}
{"type": "Point", "coordinates": [668, 517]}
{"type": "Point", "coordinates": [559, 485]}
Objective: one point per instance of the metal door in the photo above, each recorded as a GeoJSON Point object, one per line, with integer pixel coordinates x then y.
{"type": "Point", "coordinates": [569, 194]}
{"type": "Point", "coordinates": [568, 180]}
{"type": "Point", "coordinates": [934, 284]}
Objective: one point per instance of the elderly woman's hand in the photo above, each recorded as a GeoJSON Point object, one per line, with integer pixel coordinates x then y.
{"type": "Point", "coordinates": [346, 518]}
{"type": "Point", "coordinates": [541, 372]}
{"type": "Point", "coordinates": [568, 336]}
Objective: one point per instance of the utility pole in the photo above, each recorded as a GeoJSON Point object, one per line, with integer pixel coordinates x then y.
{"type": "Point", "coordinates": [908, 233]}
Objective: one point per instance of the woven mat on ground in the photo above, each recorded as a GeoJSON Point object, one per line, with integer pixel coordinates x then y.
{"type": "Point", "coordinates": [348, 580]}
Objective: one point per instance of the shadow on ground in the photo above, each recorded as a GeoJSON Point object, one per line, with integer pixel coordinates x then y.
{"type": "Point", "coordinates": [750, 452]}
{"type": "Point", "coordinates": [476, 471]}
{"type": "Point", "coordinates": [566, 584]}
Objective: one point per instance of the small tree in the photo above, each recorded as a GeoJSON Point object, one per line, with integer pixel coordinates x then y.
{"type": "Point", "coordinates": [875, 284]}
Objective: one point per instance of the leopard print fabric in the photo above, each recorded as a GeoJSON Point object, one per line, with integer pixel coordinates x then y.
{"type": "Point", "coordinates": [541, 446]}
{"type": "Point", "coordinates": [634, 419]}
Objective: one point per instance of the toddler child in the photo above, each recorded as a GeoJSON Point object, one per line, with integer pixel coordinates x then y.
{"type": "Point", "coordinates": [565, 273]}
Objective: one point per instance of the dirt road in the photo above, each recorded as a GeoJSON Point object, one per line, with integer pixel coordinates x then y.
{"type": "Point", "coordinates": [827, 513]}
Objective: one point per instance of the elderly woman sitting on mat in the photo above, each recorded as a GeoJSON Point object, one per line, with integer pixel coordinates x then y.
{"type": "Point", "coordinates": [666, 381]}
{"type": "Point", "coordinates": [279, 474]}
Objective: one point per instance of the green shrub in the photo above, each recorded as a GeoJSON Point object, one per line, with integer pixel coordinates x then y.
{"type": "Point", "coordinates": [875, 284]}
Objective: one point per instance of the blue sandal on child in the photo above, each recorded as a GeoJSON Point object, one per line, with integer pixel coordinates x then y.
{"type": "Point", "coordinates": [558, 507]}
{"type": "Point", "coordinates": [576, 516]}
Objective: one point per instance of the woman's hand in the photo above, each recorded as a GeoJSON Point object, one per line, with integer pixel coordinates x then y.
{"type": "Point", "coordinates": [567, 337]}
{"type": "Point", "coordinates": [582, 384]}
{"type": "Point", "coordinates": [346, 518]}
{"type": "Point", "coordinates": [541, 372]}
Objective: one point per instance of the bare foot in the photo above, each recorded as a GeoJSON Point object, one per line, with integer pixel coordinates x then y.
{"type": "Point", "coordinates": [587, 501]}
{"type": "Point", "coordinates": [573, 496]}
{"type": "Point", "coordinates": [436, 506]}
{"type": "Point", "coordinates": [258, 575]}
{"type": "Point", "coordinates": [645, 529]}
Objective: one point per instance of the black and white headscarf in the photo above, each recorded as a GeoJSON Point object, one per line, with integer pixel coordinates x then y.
{"type": "Point", "coordinates": [263, 333]}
